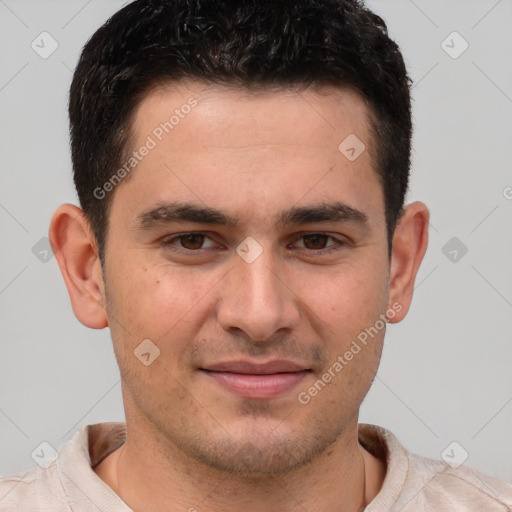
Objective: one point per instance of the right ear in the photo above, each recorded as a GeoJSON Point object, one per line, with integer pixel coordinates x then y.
{"type": "Point", "coordinates": [75, 248]}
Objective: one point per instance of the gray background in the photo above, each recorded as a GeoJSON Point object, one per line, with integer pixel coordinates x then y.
{"type": "Point", "coordinates": [446, 370]}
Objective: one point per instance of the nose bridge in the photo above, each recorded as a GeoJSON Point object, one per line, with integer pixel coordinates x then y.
{"type": "Point", "coordinates": [256, 300]}
{"type": "Point", "coordinates": [261, 285]}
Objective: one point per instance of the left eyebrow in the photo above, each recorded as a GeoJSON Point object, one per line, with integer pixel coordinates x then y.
{"type": "Point", "coordinates": [324, 212]}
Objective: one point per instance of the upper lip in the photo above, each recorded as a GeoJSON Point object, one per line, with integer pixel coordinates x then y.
{"type": "Point", "coordinates": [253, 368]}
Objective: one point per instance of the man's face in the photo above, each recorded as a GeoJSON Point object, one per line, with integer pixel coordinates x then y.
{"type": "Point", "coordinates": [246, 326]}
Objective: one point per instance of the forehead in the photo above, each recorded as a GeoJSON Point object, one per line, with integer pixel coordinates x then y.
{"type": "Point", "coordinates": [307, 112]}
{"type": "Point", "coordinates": [252, 150]}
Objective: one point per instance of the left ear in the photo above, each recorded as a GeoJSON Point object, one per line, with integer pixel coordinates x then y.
{"type": "Point", "coordinates": [409, 245]}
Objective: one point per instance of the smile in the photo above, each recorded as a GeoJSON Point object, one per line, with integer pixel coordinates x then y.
{"type": "Point", "coordinates": [255, 380]}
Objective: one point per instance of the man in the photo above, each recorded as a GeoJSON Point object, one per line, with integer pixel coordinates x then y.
{"type": "Point", "coordinates": [241, 168]}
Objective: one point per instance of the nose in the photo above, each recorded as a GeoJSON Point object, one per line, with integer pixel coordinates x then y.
{"type": "Point", "coordinates": [257, 299]}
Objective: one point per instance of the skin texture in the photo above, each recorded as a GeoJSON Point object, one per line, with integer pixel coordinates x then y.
{"type": "Point", "coordinates": [192, 443]}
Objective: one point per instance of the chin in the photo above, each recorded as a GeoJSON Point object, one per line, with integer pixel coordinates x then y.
{"type": "Point", "coordinates": [260, 449]}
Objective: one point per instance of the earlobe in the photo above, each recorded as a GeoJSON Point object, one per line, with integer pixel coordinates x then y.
{"type": "Point", "coordinates": [76, 252]}
{"type": "Point", "coordinates": [409, 246]}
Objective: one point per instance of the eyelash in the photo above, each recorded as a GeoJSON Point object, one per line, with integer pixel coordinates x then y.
{"type": "Point", "coordinates": [168, 243]}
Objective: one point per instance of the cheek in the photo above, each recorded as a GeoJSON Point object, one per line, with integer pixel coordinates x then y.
{"type": "Point", "coordinates": [156, 300]}
{"type": "Point", "coordinates": [347, 299]}
{"type": "Point", "coordinates": [157, 303]}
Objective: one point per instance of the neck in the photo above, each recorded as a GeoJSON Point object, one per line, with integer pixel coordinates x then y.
{"type": "Point", "coordinates": [161, 478]}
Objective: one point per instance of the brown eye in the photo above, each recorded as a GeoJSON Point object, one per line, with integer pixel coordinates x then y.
{"type": "Point", "coordinates": [315, 241]}
{"type": "Point", "coordinates": [189, 242]}
{"type": "Point", "coordinates": [192, 241]}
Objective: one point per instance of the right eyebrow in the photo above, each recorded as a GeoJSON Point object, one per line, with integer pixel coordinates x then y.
{"type": "Point", "coordinates": [168, 212]}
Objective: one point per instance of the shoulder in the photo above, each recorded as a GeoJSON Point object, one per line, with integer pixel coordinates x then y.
{"type": "Point", "coordinates": [35, 489]}
{"type": "Point", "coordinates": [68, 481]}
{"type": "Point", "coordinates": [433, 483]}
{"type": "Point", "coordinates": [414, 483]}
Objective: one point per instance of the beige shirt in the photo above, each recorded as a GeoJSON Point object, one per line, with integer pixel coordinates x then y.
{"type": "Point", "coordinates": [412, 484]}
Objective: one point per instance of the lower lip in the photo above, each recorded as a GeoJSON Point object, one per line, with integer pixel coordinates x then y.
{"type": "Point", "coordinates": [257, 386]}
